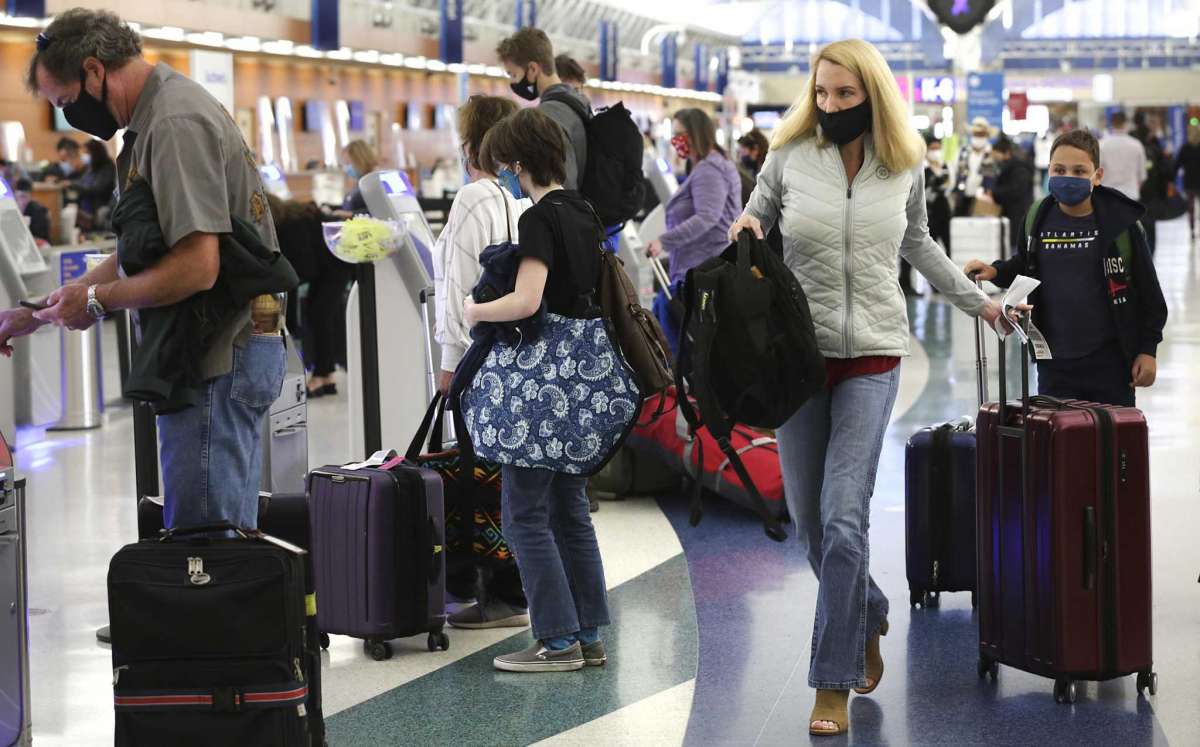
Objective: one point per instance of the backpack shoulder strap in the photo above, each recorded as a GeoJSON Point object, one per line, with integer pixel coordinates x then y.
{"type": "Point", "coordinates": [1031, 216]}
{"type": "Point", "coordinates": [572, 103]}
{"type": "Point", "coordinates": [1125, 247]}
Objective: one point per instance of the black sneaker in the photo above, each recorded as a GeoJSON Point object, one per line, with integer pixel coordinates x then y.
{"type": "Point", "coordinates": [538, 658]}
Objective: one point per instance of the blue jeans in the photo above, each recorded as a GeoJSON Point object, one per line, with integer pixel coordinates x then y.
{"type": "Point", "coordinates": [829, 452]}
{"type": "Point", "coordinates": [212, 452]}
{"type": "Point", "coordinates": [549, 528]}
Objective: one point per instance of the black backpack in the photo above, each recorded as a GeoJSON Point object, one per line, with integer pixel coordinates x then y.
{"type": "Point", "coordinates": [748, 352]}
{"type": "Point", "coordinates": [612, 179]}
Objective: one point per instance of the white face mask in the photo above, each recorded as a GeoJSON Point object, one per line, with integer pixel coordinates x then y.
{"type": "Point", "coordinates": [979, 142]}
{"type": "Point", "coordinates": [935, 157]}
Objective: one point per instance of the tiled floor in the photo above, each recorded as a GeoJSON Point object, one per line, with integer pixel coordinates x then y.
{"type": "Point", "coordinates": [712, 624]}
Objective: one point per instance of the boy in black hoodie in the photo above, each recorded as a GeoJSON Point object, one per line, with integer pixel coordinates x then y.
{"type": "Point", "coordinates": [1100, 305]}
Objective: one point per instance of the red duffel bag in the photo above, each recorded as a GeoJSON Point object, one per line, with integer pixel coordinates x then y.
{"type": "Point", "coordinates": [662, 430]}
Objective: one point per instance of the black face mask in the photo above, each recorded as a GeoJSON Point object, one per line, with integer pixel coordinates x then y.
{"type": "Point", "coordinates": [86, 114]}
{"type": "Point", "coordinates": [524, 88]}
{"type": "Point", "coordinates": [842, 127]}
{"type": "Point", "coordinates": [750, 164]}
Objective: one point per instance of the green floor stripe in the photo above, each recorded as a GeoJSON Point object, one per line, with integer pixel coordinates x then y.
{"type": "Point", "coordinates": [652, 647]}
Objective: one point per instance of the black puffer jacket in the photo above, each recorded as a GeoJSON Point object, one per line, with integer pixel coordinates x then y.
{"type": "Point", "coordinates": [174, 339]}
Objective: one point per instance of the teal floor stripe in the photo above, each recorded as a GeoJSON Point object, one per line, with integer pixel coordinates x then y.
{"type": "Point", "coordinates": [652, 647]}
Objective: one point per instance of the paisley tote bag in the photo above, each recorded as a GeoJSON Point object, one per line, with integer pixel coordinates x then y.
{"type": "Point", "coordinates": [563, 401]}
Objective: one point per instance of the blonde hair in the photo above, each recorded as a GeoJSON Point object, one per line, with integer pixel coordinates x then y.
{"type": "Point", "coordinates": [896, 142]}
{"type": "Point", "coordinates": [362, 158]}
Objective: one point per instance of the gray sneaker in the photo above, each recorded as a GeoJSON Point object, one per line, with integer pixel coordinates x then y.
{"type": "Point", "coordinates": [538, 658]}
{"type": "Point", "coordinates": [594, 654]}
{"type": "Point", "coordinates": [494, 614]}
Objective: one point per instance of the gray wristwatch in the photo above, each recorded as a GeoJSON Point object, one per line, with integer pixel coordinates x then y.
{"type": "Point", "coordinates": [94, 308]}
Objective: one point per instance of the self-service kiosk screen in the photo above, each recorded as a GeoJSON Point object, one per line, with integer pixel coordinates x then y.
{"type": "Point", "coordinates": [396, 186]}
{"type": "Point", "coordinates": [14, 234]}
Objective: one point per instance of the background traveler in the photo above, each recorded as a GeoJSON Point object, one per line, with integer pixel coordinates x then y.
{"type": "Point", "coordinates": [483, 214]}
{"type": "Point", "coordinates": [700, 213]}
{"type": "Point", "coordinates": [528, 58]}
{"type": "Point", "coordinates": [360, 161]}
{"type": "Point", "coordinates": [974, 169]}
{"type": "Point", "coordinates": [186, 147]}
{"type": "Point", "coordinates": [1188, 161]}
{"type": "Point", "coordinates": [1013, 188]}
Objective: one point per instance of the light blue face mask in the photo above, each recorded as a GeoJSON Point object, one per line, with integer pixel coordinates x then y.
{"type": "Point", "coordinates": [351, 171]}
{"type": "Point", "coordinates": [508, 180]}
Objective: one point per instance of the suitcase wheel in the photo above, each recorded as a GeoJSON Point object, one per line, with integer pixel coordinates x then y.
{"type": "Point", "coordinates": [1147, 681]}
{"type": "Point", "coordinates": [988, 668]}
{"type": "Point", "coordinates": [925, 599]}
{"type": "Point", "coordinates": [324, 641]}
{"type": "Point", "coordinates": [1065, 691]}
{"type": "Point", "coordinates": [378, 650]}
{"type": "Point", "coordinates": [437, 640]}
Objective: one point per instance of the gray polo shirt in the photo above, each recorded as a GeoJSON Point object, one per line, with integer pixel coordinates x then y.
{"type": "Point", "coordinates": [191, 152]}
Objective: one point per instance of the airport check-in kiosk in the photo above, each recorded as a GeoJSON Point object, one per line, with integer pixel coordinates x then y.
{"type": "Point", "coordinates": [274, 182]}
{"type": "Point", "coordinates": [33, 385]}
{"type": "Point", "coordinates": [391, 355]}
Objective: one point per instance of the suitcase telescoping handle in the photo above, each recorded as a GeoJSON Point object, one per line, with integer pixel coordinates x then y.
{"type": "Point", "coordinates": [1024, 358]}
{"type": "Point", "coordinates": [981, 367]}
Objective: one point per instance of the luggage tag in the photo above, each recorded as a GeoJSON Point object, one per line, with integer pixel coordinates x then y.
{"type": "Point", "coordinates": [376, 460]}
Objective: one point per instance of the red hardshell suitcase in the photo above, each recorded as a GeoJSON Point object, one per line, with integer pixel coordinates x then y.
{"type": "Point", "coordinates": [1064, 540]}
{"type": "Point", "coordinates": [378, 539]}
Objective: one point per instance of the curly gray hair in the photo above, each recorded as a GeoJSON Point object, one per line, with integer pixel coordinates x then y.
{"type": "Point", "coordinates": [78, 34]}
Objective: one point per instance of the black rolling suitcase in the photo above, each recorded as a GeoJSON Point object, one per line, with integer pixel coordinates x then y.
{"type": "Point", "coordinates": [14, 619]}
{"type": "Point", "coordinates": [210, 641]}
{"type": "Point", "coordinates": [939, 502]}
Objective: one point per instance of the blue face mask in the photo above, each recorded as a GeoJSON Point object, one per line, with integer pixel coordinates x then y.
{"type": "Point", "coordinates": [1070, 190]}
{"type": "Point", "coordinates": [509, 181]}
{"type": "Point", "coordinates": [351, 171]}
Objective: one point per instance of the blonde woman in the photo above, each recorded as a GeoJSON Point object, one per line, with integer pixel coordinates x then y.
{"type": "Point", "coordinates": [360, 161]}
{"type": "Point", "coordinates": [844, 181]}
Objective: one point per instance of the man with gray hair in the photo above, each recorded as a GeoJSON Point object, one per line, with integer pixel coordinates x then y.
{"type": "Point", "coordinates": [205, 184]}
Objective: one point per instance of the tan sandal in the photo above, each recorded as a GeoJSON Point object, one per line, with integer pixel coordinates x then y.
{"type": "Point", "coordinates": [830, 707]}
{"type": "Point", "coordinates": [874, 661]}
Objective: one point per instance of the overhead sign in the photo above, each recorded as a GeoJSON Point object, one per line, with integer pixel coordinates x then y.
{"type": "Point", "coordinates": [935, 89]}
{"type": "Point", "coordinates": [324, 31]}
{"type": "Point", "coordinates": [450, 40]}
{"type": "Point", "coordinates": [670, 54]}
{"type": "Point", "coordinates": [1018, 105]}
{"type": "Point", "coordinates": [526, 13]}
{"type": "Point", "coordinates": [985, 97]}
{"type": "Point", "coordinates": [700, 80]}
{"type": "Point", "coordinates": [960, 16]}
{"type": "Point", "coordinates": [213, 71]}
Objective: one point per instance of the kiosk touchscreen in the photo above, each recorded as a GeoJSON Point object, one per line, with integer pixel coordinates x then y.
{"type": "Point", "coordinates": [274, 182]}
{"type": "Point", "coordinates": [662, 180]}
{"type": "Point", "coordinates": [24, 275]}
{"type": "Point", "coordinates": [392, 358]}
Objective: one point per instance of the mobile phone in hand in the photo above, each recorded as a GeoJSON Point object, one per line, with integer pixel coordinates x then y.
{"type": "Point", "coordinates": [34, 306]}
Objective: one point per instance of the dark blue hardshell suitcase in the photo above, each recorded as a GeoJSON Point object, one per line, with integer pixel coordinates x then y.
{"type": "Point", "coordinates": [939, 502]}
{"type": "Point", "coordinates": [939, 492]}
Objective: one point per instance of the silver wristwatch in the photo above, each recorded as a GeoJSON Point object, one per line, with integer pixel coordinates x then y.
{"type": "Point", "coordinates": [94, 308]}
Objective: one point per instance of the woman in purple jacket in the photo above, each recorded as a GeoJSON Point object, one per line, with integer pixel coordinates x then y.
{"type": "Point", "coordinates": [700, 213]}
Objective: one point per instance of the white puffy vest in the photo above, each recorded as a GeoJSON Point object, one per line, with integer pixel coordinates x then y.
{"type": "Point", "coordinates": [842, 242]}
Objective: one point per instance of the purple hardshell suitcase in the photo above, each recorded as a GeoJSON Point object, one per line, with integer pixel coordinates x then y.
{"type": "Point", "coordinates": [377, 554]}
